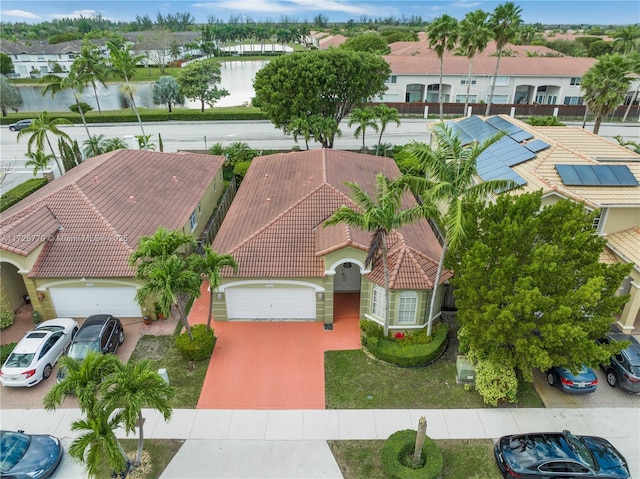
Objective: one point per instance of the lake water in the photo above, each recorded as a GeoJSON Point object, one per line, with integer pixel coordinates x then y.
{"type": "Point", "coordinates": [237, 77]}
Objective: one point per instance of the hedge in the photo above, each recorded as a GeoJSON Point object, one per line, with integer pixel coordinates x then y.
{"type": "Point", "coordinates": [201, 347]}
{"type": "Point", "coordinates": [404, 442]}
{"type": "Point", "coordinates": [7, 318]}
{"type": "Point", "coordinates": [20, 192]}
{"type": "Point", "coordinates": [407, 355]}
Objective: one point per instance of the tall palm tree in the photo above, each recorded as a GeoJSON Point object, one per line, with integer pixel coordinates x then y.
{"type": "Point", "coordinates": [379, 215]}
{"type": "Point", "coordinates": [94, 146]}
{"type": "Point", "coordinates": [209, 266]}
{"type": "Point", "coordinates": [166, 281]}
{"type": "Point", "coordinates": [605, 85]}
{"type": "Point", "coordinates": [73, 82]}
{"type": "Point", "coordinates": [385, 115]}
{"type": "Point", "coordinates": [504, 23]}
{"type": "Point", "coordinates": [443, 35]}
{"type": "Point", "coordinates": [161, 244]}
{"type": "Point", "coordinates": [450, 183]}
{"type": "Point", "coordinates": [133, 386]}
{"type": "Point", "coordinates": [300, 126]}
{"type": "Point", "coordinates": [39, 133]}
{"type": "Point", "coordinates": [474, 37]}
{"type": "Point", "coordinates": [626, 38]}
{"type": "Point", "coordinates": [39, 160]}
{"type": "Point", "coordinates": [112, 144]}
{"type": "Point", "coordinates": [90, 65]}
{"type": "Point", "coordinates": [364, 118]}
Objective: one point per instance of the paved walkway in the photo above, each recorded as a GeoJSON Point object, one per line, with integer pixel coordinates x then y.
{"type": "Point", "coordinates": [292, 443]}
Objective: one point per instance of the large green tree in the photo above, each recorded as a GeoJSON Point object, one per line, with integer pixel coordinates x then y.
{"type": "Point", "coordinates": [605, 85]}
{"type": "Point", "coordinates": [167, 91]}
{"type": "Point", "coordinates": [367, 42]}
{"type": "Point", "coordinates": [451, 180]}
{"type": "Point", "coordinates": [504, 23]}
{"type": "Point", "coordinates": [474, 37]}
{"type": "Point", "coordinates": [6, 64]}
{"type": "Point", "coordinates": [199, 81]}
{"type": "Point", "coordinates": [530, 289]}
{"type": "Point", "coordinates": [379, 215]}
{"type": "Point", "coordinates": [325, 83]}
{"type": "Point", "coordinates": [443, 35]}
{"type": "Point", "coordinates": [10, 98]}
{"type": "Point", "coordinates": [39, 130]}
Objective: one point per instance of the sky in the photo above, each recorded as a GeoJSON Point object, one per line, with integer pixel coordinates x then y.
{"type": "Point", "coordinates": [600, 12]}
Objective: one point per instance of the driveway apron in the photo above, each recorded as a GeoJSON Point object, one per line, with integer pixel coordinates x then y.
{"type": "Point", "coordinates": [273, 364]}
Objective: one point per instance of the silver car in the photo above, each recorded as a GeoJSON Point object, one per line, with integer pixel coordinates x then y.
{"type": "Point", "coordinates": [20, 125]}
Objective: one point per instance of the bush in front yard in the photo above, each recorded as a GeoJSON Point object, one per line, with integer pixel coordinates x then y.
{"type": "Point", "coordinates": [6, 319]}
{"type": "Point", "coordinates": [496, 382]}
{"type": "Point", "coordinates": [5, 351]}
{"type": "Point", "coordinates": [400, 446]}
{"type": "Point", "coordinates": [201, 347]}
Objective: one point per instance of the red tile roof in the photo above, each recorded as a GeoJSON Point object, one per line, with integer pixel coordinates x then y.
{"type": "Point", "coordinates": [274, 227]}
{"type": "Point", "coordinates": [98, 210]}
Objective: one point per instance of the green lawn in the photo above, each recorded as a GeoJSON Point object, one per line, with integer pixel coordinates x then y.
{"type": "Point", "coordinates": [156, 455]}
{"type": "Point", "coordinates": [355, 381]}
{"type": "Point", "coordinates": [463, 459]}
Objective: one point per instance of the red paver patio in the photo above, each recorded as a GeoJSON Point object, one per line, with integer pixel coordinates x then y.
{"type": "Point", "coordinates": [273, 364]}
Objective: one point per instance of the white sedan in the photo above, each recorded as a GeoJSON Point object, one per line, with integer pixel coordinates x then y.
{"type": "Point", "coordinates": [34, 356]}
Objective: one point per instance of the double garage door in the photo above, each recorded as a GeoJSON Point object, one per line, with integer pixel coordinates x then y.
{"type": "Point", "coordinates": [271, 303]}
{"type": "Point", "coordinates": [80, 302]}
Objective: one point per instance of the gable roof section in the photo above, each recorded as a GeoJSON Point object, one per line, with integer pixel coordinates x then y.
{"type": "Point", "coordinates": [625, 245]}
{"type": "Point", "coordinates": [274, 227]}
{"type": "Point", "coordinates": [104, 205]}
{"type": "Point", "coordinates": [41, 223]}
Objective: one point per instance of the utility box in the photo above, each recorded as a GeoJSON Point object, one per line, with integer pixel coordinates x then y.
{"type": "Point", "coordinates": [163, 374]}
{"type": "Point", "coordinates": [465, 371]}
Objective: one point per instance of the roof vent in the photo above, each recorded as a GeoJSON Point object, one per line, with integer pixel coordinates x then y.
{"type": "Point", "coordinates": [95, 179]}
{"type": "Point", "coordinates": [131, 199]}
{"type": "Point", "coordinates": [174, 179]}
{"type": "Point", "coordinates": [266, 176]}
{"type": "Point", "coordinates": [268, 201]}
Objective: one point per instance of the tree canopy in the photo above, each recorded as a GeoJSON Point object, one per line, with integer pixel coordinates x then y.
{"type": "Point", "coordinates": [367, 42]}
{"type": "Point", "coordinates": [199, 81]}
{"type": "Point", "coordinates": [325, 83]}
{"type": "Point", "coordinates": [531, 291]}
{"type": "Point", "coordinates": [9, 96]}
{"type": "Point", "coordinates": [166, 90]}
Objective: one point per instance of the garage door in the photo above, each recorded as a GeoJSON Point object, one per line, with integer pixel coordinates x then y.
{"type": "Point", "coordinates": [85, 301]}
{"type": "Point", "coordinates": [271, 303]}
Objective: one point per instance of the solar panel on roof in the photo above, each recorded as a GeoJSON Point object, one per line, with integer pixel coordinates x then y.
{"type": "Point", "coordinates": [536, 145]}
{"type": "Point", "coordinates": [596, 175]}
{"type": "Point", "coordinates": [510, 152]}
{"type": "Point", "coordinates": [521, 135]}
{"type": "Point", "coordinates": [476, 129]}
{"type": "Point", "coordinates": [503, 125]}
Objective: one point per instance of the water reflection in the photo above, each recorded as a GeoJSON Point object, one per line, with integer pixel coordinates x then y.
{"type": "Point", "coordinates": [237, 77]}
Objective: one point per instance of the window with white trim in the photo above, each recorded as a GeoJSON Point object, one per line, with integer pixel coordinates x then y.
{"type": "Point", "coordinates": [573, 100]}
{"type": "Point", "coordinates": [378, 301]}
{"type": "Point", "coordinates": [502, 81]}
{"type": "Point", "coordinates": [193, 220]}
{"type": "Point", "coordinates": [391, 79]}
{"type": "Point", "coordinates": [499, 99]}
{"type": "Point", "coordinates": [407, 307]}
{"type": "Point", "coordinates": [463, 98]}
{"type": "Point", "coordinates": [473, 81]}
{"type": "Point", "coordinates": [575, 81]}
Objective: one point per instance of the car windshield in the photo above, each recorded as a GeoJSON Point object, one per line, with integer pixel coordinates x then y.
{"type": "Point", "coordinates": [80, 351]}
{"type": "Point", "coordinates": [580, 450]}
{"type": "Point", "coordinates": [13, 445]}
{"type": "Point", "coordinates": [19, 360]}
{"type": "Point", "coordinates": [635, 370]}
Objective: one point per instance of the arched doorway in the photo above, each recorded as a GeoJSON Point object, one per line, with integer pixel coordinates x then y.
{"type": "Point", "coordinates": [12, 287]}
{"type": "Point", "coordinates": [346, 292]}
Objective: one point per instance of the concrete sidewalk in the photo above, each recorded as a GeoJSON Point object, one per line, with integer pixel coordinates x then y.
{"type": "Point", "coordinates": [291, 443]}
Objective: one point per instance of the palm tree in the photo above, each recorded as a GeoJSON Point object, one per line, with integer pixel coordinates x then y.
{"type": "Point", "coordinates": [364, 118]}
{"type": "Point", "coordinates": [161, 244]}
{"type": "Point", "coordinates": [443, 35]}
{"type": "Point", "coordinates": [504, 23]}
{"type": "Point", "coordinates": [73, 82]}
{"type": "Point", "coordinates": [474, 37]}
{"type": "Point", "coordinates": [133, 386]}
{"type": "Point", "coordinates": [300, 126]}
{"type": "Point", "coordinates": [39, 160]}
{"type": "Point", "coordinates": [385, 115]}
{"type": "Point", "coordinates": [166, 281]}
{"type": "Point", "coordinates": [39, 133]}
{"type": "Point", "coordinates": [379, 215]}
{"type": "Point", "coordinates": [450, 183]}
{"type": "Point", "coordinates": [626, 38]}
{"type": "Point", "coordinates": [90, 65]}
{"type": "Point", "coordinates": [605, 85]}
{"type": "Point", "coordinates": [324, 130]}
{"type": "Point", "coordinates": [209, 266]}
{"type": "Point", "coordinates": [94, 146]}
{"type": "Point", "coordinates": [112, 144]}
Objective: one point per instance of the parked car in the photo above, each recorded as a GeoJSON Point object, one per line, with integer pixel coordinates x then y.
{"type": "Point", "coordinates": [20, 125]}
{"type": "Point", "coordinates": [28, 456]}
{"type": "Point", "coordinates": [33, 358]}
{"type": "Point", "coordinates": [102, 333]}
{"type": "Point", "coordinates": [559, 454]}
{"type": "Point", "coordinates": [583, 382]}
{"type": "Point", "coordinates": [623, 370]}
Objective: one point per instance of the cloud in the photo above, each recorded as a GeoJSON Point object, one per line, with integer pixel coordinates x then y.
{"type": "Point", "coordinates": [285, 7]}
{"type": "Point", "coordinates": [20, 14]}
{"type": "Point", "coordinates": [74, 14]}
{"type": "Point", "coordinates": [249, 6]}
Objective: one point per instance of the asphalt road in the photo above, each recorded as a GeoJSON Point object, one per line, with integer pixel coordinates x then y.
{"type": "Point", "coordinates": [257, 134]}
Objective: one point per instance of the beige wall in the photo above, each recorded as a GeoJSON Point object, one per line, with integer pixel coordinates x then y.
{"type": "Point", "coordinates": [620, 219]}
{"type": "Point", "coordinates": [12, 288]}
{"type": "Point", "coordinates": [207, 206]}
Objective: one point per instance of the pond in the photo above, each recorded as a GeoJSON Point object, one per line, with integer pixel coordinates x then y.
{"type": "Point", "coordinates": [237, 77]}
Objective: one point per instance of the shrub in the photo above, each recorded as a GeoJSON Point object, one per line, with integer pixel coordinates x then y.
{"type": "Point", "coordinates": [240, 168]}
{"type": "Point", "coordinates": [202, 345]}
{"type": "Point", "coordinates": [21, 191]}
{"type": "Point", "coordinates": [85, 107]}
{"type": "Point", "coordinates": [402, 443]}
{"type": "Point", "coordinates": [5, 351]}
{"type": "Point", "coordinates": [496, 382]}
{"type": "Point", "coordinates": [544, 121]}
{"type": "Point", "coordinates": [370, 329]}
{"type": "Point", "coordinates": [6, 319]}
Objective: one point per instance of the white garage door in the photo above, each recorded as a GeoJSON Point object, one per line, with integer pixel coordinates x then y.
{"type": "Point", "coordinates": [271, 303]}
{"type": "Point", "coordinates": [85, 301]}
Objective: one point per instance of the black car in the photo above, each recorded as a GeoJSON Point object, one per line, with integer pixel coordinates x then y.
{"type": "Point", "coordinates": [623, 370]}
{"type": "Point", "coordinates": [559, 454]}
{"type": "Point", "coordinates": [28, 456]}
{"type": "Point", "coordinates": [100, 333]}
{"type": "Point", "coordinates": [20, 125]}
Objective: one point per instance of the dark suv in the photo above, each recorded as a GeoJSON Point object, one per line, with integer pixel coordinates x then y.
{"type": "Point", "coordinates": [624, 368]}
{"type": "Point", "coordinates": [100, 333]}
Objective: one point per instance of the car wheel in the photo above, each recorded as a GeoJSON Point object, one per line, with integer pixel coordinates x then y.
{"type": "Point", "coordinates": [12, 128]}
{"type": "Point", "coordinates": [47, 371]}
{"type": "Point", "coordinates": [551, 379]}
{"type": "Point", "coordinates": [612, 378]}
{"type": "Point", "coordinates": [121, 337]}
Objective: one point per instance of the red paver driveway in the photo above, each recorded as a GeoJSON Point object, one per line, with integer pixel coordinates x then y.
{"type": "Point", "coordinates": [270, 364]}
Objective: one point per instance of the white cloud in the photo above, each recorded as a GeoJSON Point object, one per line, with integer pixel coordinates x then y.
{"type": "Point", "coordinates": [249, 6]}
{"type": "Point", "coordinates": [74, 14]}
{"type": "Point", "coordinates": [20, 14]}
{"type": "Point", "coordinates": [287, 7]}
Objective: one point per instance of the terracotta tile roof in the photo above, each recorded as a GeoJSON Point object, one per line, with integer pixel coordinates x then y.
{"type": "Point", "coordinates": [626, 244]}
{"type": "Point", "coordinates": [41, 223]}
{"type": "Point", "coordinates": [274, 227]}
{"type": "Point", "coordinates": [104, 206]}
